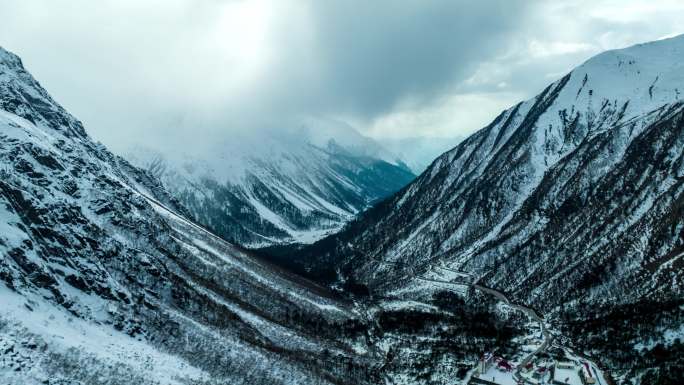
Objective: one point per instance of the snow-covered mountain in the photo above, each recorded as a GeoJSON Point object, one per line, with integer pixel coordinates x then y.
{"type": "Point", "coordinates": [104, 281]}
{"type": "Point", "coordinates": [602, 142]}
{"type": "Point", "coordinates": [571, 202]}
{"type": "Point", "coordinates": [419, 152]}
{"type": "Point", "coordinates": [290, 186]}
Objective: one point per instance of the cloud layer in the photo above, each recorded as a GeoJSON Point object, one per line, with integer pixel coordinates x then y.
{"type": "Point", "coordinates": [186, 70]}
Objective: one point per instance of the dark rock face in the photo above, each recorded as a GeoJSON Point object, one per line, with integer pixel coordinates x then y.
{"type": "Point", "coordinates": [21, 95]}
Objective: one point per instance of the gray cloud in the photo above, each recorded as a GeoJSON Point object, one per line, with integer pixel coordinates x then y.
{"type": "Point", "coordinates": [376, 54]}
{"type": "Point", "coordinates": [175, 71]}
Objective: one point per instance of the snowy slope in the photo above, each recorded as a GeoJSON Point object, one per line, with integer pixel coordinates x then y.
{"type": "Point", "coordinates": [104, 281]}
{"type": "Point", "coordinates": [577, 191]}
{"type": "Point", "coordinates": [297, 186]}
{"type": "Point", "coordinates": [571, 202]}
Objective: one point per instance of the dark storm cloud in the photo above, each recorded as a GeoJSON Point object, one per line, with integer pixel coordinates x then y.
{"type": "Point", "coordinates": [135, 70]}
{"type": "Point", "coordinates": [172, 71]}
{"type": "Point", "coordinates": [375, 53]}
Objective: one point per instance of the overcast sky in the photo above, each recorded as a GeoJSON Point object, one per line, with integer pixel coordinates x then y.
{"type": "Point", "coordinates": [137, 70]}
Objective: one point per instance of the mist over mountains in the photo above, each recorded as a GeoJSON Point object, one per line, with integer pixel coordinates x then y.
{"type": "Point", "coordinates": [300, 193]}
{"type": "Point", "coordinates": [569, 202]}
{"type": "Point", "coordinates": [288, 187]}
{"type": "Point", "coordinates": [419, 152]}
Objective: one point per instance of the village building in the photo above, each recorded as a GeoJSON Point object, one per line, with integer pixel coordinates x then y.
{"type": "Point", "coordinates": [485, 363]}
{"type": "Point", "coordinates": [572, 373]}
{"type": "Point", "coordinates": [494, 370]}
{"type": "Point", "coordinates": [585, 374]}
{"type": "Point", "coordinates": [539, 373]}
{"type": "Point", "coordinates": [504, 365]}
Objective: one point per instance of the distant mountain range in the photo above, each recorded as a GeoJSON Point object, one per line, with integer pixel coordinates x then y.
{"type": "Point", "coordinates": [292, 186]}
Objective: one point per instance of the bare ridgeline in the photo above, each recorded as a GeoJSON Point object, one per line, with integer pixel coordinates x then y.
{"type": "Point", "coordinates": [546, 248]}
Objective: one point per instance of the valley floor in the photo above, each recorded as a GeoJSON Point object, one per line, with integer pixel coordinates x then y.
{"type": "Point", "coordinates": [542, 357]}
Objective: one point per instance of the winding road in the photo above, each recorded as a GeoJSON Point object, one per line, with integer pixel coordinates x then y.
{"type": "Point", "coordinates": [529, 312]}
{"type": "Point", "coordinates": [466, 280]}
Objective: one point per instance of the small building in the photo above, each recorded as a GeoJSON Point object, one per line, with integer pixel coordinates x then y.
{"type": "Point", "coordinates": [539, 373]}
{"type": "Point", "coordinates": [565, 373]}
{"type": "Point", "coordinates": [528, 367]}
{"type": "Point", "coordinates": [565, 365]}
{"type": "Point", "coordinates": [505, 365]}
{"type": "Point", "coordinates": [585, 374]}
{"type": "Point", "coordinates": [485, 362]}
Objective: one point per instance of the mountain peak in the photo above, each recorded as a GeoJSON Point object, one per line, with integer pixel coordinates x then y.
{"type": "Point", "coordinates": [8, 59]}
{"type": "Point", "coordinates": [23, 96]}
{"type": "Point", "coordinates": [650, 74]}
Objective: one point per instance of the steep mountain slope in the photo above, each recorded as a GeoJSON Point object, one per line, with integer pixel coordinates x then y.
{"type": "Point", "coordinates": [589, 171]}
{"type": "Point", "coordinates": [294, 187]}
{"type": "Point", "coordinates": [102, 280]}
{"type": "Point", "coordinates": [571, 200]}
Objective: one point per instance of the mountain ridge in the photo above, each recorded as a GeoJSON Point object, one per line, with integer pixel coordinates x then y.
{"type": "Point", "coordinates": [103, 279]}
{"type": "Point", "coordinates": [273, 190]}
{"type": "Point", "coordinates": [569, 202]}
{"type": "Point", "coordinates": [529, 139]}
